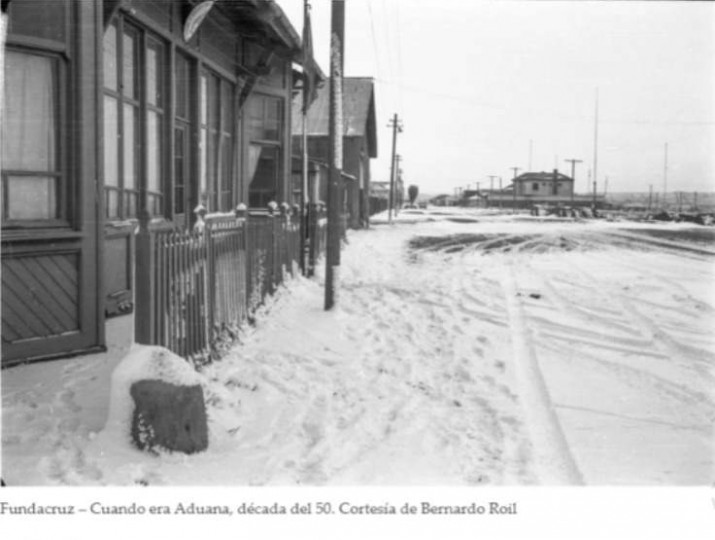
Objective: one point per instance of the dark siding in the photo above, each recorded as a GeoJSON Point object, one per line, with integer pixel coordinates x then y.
{"type": "Point", "coordinates": [50, 276]}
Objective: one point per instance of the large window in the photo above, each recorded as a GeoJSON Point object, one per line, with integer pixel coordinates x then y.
{"type": "Point", "coordinates": [33, 182]}
{"type": "Point", "coordinates": [216, 142]}
{"type": "Point", "coordinates": [265, 116]}
{"type": "Point", "coordinates": [134, 101]}
{"type": "Point", "coordinates": [182, 135]}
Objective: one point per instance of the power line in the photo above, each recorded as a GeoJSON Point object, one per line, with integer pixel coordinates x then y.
{"type": "Point", "coordinates": [543, 111]}
{"type": "Point", "coordinates": [374, 39]}
{"type": "Point", "coordinates": [399, 53]}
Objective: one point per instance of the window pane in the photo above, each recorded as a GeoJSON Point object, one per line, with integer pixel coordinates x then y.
{"type": "Point", "coordinates": [255, 117]}
{"type": "Point", "coordinates": [266, 169]}
{"type": "Point", "coordinates": [153, 73]}
{"type": "Point", "coordinates": [154, 151]}
{"type": "Point", "coordinates": [204, 99]}
{"type": "Point", "coordinates": [130, 138]}
{"type": "Point", "coordinates": [110, 57]}
{"type": "Point", "coordinates": [179, 170]}
{"type": "Point", "coordinates": [213, 103]}
{"type": "Point", "coordinates": [129, 63]}
{"type": "Point", "coordinates": [28, 127]}
{"type": "Point", "coordinates": [273, 120]}
{"type": "Point", "coordinates": [112, 203]}
{"type": "Point", "coordinates": [130, 203]}
{"type": "Point", "coordinates": [226, 201]}
{"type": "Point", "coordinates": [227, 106]}
{"type": "Point", "coordinates": [31, 197]}
{"type": "Point", "coordinates": [182, 87]}
{"type": "Point", "coordinates": [111, 146]}
{"type": "Point", "coordinates": [203, 174]}
{"type": "Point", "coordinates": [227, 160]}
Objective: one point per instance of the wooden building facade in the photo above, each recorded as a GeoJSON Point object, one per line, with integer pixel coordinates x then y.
{"type": "Point", "coordinates": [359, 141]}
{"type": "Point", "coordinates": [118, 107]}
{"type": "Point", "coordinates": [51, 166]}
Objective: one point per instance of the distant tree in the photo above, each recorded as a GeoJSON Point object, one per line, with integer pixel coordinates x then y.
{"type": "Point", "coordinates": [412, 192]}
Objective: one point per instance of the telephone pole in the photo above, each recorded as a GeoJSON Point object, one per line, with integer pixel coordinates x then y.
{"type": "Point", "coordinates": [513, 183]}
{"type": "Point", "coordinates": [650, 197]}
{"type": "Point", "coordinates": [398, 179]}
{"type": "Point", "coordinates": [396, 126]}
{"type": "Point", "coordinates": [573, 163]}
{"type": "Point", "coordinates": [491, 182]}
{"type": "Point", "coordinates": [335, 153]}
{"type": "Point", "coordinates": [665, 177]}
{"type": "Point", "coordinates": [491, 188]}
{"type": "Point", "coordinates": [595, 146]}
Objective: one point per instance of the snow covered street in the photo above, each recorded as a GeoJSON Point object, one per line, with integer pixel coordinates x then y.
{"type": "Point", "coordinates": [467, 349]}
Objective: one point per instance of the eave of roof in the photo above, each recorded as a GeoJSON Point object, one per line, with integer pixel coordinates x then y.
{"type": "Point", "coordinates": [267, 16]}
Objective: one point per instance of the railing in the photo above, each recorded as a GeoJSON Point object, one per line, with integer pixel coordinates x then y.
{"type": "Point", "coordinates": [196, 288]}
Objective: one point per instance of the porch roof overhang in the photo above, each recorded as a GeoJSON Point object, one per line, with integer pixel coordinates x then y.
{"type": "Point", "coordinates": [264, 20]}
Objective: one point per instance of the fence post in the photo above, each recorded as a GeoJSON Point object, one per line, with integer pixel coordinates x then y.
{"type": "Point", "coordinates": [272, 208]}
{"type": "Point", "coordinates": [144, 314]}
{"type": "Point", "coordinates": [313, 240]}
{"type": "Point", "coordinates": [210, 301]}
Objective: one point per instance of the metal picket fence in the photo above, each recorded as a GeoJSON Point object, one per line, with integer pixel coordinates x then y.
{"type": "Point", "coordinates": [196, 288]}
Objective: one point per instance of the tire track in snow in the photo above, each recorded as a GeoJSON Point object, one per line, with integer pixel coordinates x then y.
{"type": "Point", "coordinates": [555, 464]}
{"type": "Point", "coordinates": [639, 380]}
{"type": "Point", "coordinates": [700, 361]}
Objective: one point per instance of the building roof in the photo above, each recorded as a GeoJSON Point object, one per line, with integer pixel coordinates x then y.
{"type": "Point", "coordinates": [358, 112]}
{"type": "Point", "coordinates": [542, 177]}
{"type": "Point", "coordinates": [267, 16]}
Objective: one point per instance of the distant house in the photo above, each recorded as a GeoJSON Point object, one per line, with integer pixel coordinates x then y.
{"type": "Point", "coordinates": [379, 197]}
{"type": "Point", "coordinates": [544, 185]}
{"type": "Point", "coordinates": [444, 200]}
{"type": "Point", "coordinates": [359, 141]}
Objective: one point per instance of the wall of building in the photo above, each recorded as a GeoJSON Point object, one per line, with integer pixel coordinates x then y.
{"type": "Point", "coordinates": [51, 254]}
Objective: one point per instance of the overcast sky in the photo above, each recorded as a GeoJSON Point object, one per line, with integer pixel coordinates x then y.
{"type": "Point", "coordinates": [480, 83]}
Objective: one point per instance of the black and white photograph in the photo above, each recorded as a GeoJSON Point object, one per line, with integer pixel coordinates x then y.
{"type": "Point", "coordinates": [453, 260]}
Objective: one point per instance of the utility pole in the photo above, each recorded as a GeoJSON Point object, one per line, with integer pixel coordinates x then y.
{"type": "Point", "coordinates": [500, 192]}
{"type": "Point", "coordinates": [491, 182]}
{"type": "Point", "coordinates": [650, 197]}
{"type": "Point", "coordinates": [491, 187]}
{"type": "Point", "coordinates": [335, 153]}
{"type": "Point", "coordinates": [595, 147]}
{"type": "Point", "coordinates": [396, 126]}
{"type": "Point", "coordinates": [573, 163]}
{"type": "Point", "coordinates": [398, 182]}
{"type": "Point", "coordinates": [595, 184]}
{"type": "Point", "coordinates": [665, 176]}
{"type": "Point", "coordinates": [513, 183]}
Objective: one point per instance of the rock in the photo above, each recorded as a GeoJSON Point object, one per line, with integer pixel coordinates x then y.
{"type": "Point", "coordinates": [169, 416]}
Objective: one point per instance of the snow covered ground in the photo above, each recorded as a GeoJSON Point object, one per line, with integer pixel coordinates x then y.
{"type": "Point", "coordinates": [467, 349]}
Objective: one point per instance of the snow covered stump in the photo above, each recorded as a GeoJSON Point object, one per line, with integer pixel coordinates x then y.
{"type": "Point", "coordinates": [169, 416]}
{"type": "Point", "coordinates": [157, 400]}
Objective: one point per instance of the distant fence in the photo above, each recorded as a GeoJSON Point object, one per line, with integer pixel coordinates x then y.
{"type": "Point", "coordinates": [196, 288]}
{"type": "Point", "coordinates": [378, 204]}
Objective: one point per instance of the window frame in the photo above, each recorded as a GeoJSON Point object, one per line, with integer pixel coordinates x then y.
{"type": "Point", "coordinates": [277, 144]}
{"type": "Point", "coordinates": [62, 147]}
{"type": "Point", "coordinates": [140, 193]}
{"type": "Point", "coordinates": [218, 148]}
